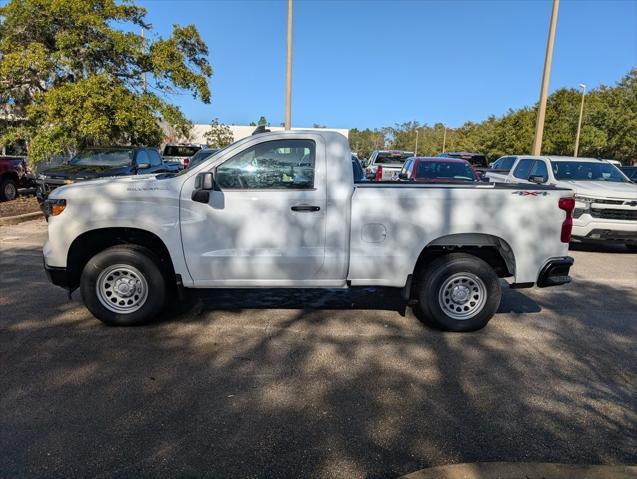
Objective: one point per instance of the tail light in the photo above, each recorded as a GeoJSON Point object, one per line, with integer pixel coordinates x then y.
{"type": "Point", "coordinates": [379, 173]}
{"type": "Point", "coordinates": [186, 162]}
{"type": "Point", "coordinates": [568, 205]}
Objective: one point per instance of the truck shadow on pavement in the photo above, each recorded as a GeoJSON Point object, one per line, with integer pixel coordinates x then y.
{"type": "Point", "coordinates": [288, 383]}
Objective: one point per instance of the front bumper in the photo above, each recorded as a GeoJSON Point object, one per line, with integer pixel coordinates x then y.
{"type": "Point", "coordinates": [591, 228]}
{"type": "Point", "coordinates": [57, 275]}
{"type": "Point", "coordinates": [555, 272]}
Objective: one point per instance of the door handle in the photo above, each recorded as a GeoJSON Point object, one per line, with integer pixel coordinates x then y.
{"type": "Point", "coordinates": [306, 208]}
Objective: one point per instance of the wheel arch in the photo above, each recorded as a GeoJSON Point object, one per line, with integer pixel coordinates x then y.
{"type": "Point", "coordinates": [495, 251]}
{"type": "Point", "coordinates": [91, 242]}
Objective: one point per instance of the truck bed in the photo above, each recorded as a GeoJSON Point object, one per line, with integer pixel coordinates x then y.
{"type": "Point", "coordinates": [393, 221]}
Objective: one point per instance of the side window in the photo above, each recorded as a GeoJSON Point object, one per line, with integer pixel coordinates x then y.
{"type": "Point", "coordinates": [539, 169]}
{"type": "Point", "coordinates": [142, 157]}
{"type": "Point", "coordinates": [280, 164]}
{"type": "Point", "coordinates": [155, 159]}
{"type": "Point", "coordinates": [523, 169]}
{"type": "Point", "coordinates": [406, 167]}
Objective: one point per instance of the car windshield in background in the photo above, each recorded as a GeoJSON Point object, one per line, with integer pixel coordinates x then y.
{"type": "Point", "coordinates": [475, 160]}
{"type": "Point", "coordinates": [444, 170]}
{"type": "Point", "coordinates": [587, 171]}
{"type": "Point", "coordinates": [504, 164]}
{"type": "Point", "coordinates": [112, 158]}
{"type": "Point", "coordinates": [180, 150]}
{"type": "Point", "coordinates": [388, 158]}
{"type": "Point", "coordinates": [202, 155]}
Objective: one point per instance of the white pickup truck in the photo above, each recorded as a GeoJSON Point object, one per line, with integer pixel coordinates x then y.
{"type": "Point", "coordinates": [606, 200]}
{"type": "Point", "coordinates": [282, 210]}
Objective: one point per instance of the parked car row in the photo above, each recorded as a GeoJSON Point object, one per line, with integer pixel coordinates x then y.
{"type": "Point", "coordinates": [606, 194]}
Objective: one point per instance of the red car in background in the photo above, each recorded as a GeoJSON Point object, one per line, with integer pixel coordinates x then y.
{"type": "Point", "coordinates": [13, 175]}
{"type": "Point", "coordinates": [438, 170]}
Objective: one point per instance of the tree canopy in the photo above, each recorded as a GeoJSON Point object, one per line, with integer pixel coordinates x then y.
{"type": "Point", "coordinates": [79, 73]}
{"type": "Point", "coordinates": [609, 128]}
{"type": "Point", "coordinates": [219, 135]}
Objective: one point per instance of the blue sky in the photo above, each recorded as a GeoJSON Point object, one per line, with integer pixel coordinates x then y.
{"type": "Point", "coordinates": [375, 63]}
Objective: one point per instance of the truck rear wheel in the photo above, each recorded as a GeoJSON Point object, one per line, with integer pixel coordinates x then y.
{"type": "Point", "coordinates": [123, 286]}
{"type": "Point", "coordinates": [459, 292]}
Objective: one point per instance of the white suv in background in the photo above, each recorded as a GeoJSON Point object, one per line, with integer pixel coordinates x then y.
{"type": "Point", "coordinates": [606, 200]}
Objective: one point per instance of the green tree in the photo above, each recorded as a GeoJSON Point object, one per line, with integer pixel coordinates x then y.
{"type": "Point", "coordinates": [263, 121]}
{"type": "Point", "coordinates": [75, 79]}
{"type": "Point", "coordinates": [219, 135]}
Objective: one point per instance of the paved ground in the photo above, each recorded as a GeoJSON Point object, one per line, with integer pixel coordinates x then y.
{"type": "Point", "coordinates": [325, 384]}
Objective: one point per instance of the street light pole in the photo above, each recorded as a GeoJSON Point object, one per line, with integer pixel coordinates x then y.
{"type": "Point", "coordinates": [416, 150]}
{"type": "Point", "coordinates": [144, 73]}
{"type": "Point", "coordinates": [288, 73]}
{"type": "Point", "coordinates": [579, 123]}
{"type": "Point", "coordinates": [541, 112]}
{"type": "Point", "coordinates": [444, 138]}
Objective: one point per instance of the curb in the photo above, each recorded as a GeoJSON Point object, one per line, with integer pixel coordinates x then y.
{"type": "Point", "coordinates": [524, 470]}
{"type": "Point", "coordinates": [14, 220]}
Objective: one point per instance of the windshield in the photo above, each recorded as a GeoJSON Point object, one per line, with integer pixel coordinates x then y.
{"type": "Point", "coordinates": [392, 157]}
{"type": "Point", "coordinates": [474, 158]}
{"type": "Point", "coordinates": [180, 150]}
{"type": "Point", "coordinates": [111, 158]}
{"type": "Point", "coordinates": [434, 170]}
{"type": "Point", "coordinates": [202, 155]}
{"type": "Point", "coordinates": [504, 163]}
{"type": "Point", "coordinates": [587, 171]}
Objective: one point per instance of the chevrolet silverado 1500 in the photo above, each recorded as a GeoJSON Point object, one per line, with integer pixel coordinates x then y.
{"type": "Point", "coordinates": [282, 210]}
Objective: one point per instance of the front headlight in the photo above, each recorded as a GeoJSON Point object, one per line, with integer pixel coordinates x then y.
{"type": "Point", "coordinates": [582, 205]}
{"type": "Point", "coordinates": [55, 206]}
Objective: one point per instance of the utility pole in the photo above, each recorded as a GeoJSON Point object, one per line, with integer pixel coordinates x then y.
{"type": "Point", "coordinates": [288, 73]}
{"type": "Point", "coordinates": [444, 138]}
{"type": "Point", "coordinates": [541, 112]}
{"type": "Point", "coordinates": [416, 150]}
{"type": "Point", "coordinates": [579, 123]}
{"type": "Point", "coordinates": [144, 49]}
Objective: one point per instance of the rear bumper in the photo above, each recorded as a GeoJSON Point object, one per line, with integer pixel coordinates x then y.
{"type": "Point", "coordinates": [555, 272]}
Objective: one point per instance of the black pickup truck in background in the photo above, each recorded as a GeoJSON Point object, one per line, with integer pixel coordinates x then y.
{"type": "Point", "coordinates": [96, 163]}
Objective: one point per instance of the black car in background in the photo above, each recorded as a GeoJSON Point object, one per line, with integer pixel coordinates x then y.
{"type": "Point", "coordinates": [477, 160]}
{"type": "Point", "coordinates": [630, 172]}
{"type": "Point", "coordinates": [96, 163]}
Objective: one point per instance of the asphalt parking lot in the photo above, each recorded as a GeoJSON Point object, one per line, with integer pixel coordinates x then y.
{"type": "Point", "coordinates": [279, 383]}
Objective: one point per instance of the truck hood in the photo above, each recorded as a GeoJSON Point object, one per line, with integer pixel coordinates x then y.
{"type": "Point", "coordinates": [606, 189]}
{"type": "Point", "coordinates": [119, 186]}
{"type": "Point", "coordinates": [83, 172]}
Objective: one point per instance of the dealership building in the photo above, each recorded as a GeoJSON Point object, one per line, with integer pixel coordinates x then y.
{"type": "Point", "coordinates": [197, 134]}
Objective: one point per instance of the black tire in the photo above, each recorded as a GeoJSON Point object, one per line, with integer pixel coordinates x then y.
{"type": "Point", "coordinates": [631, 247]}
{"type": "Point", "coordinates": [138, 261]}
{"type": "Point", "coordinates": [8, 189]}
{"type": "Point", "coordinates": [469, 271]}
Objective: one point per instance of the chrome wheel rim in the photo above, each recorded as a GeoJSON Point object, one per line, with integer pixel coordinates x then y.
{"type": "Point", "coordinates": [462, 296]}
{"type": "Point", "coordinates": [122, 288]}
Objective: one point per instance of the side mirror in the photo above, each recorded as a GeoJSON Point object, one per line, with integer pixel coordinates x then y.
{"type": "Point", "coordinates": [204, 184]}
{"type": "Point", "coordinates": [537, 179]}
{"type": "Point", "coordinates": [143, 166]}
{"type": "Point", "coordinates": [402, 176]}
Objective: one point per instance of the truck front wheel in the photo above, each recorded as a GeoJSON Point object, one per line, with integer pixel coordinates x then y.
{"type": "Point", "coordinates": [459, 292]}
{"type": "Point", "coordinates": [123, 286]}
{"type": "Point", "coordinates": [8, 189]}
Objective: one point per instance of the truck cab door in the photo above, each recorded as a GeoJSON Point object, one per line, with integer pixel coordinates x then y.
{"type": "Point", "coordinates": [264, 221]}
